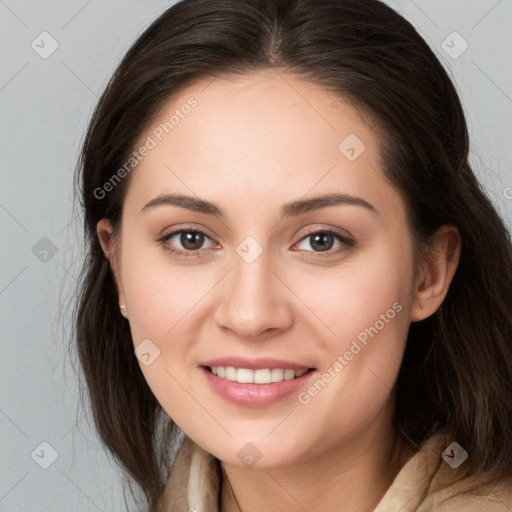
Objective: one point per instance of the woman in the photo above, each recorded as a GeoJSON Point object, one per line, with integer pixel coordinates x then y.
{"type": "Point", "coordinates": [291, 263]}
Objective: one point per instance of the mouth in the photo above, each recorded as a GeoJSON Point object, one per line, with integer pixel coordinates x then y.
{"type": "Point", "coordinates": [255, 383]}
{"type": "Point", "coordinates": [258, 376]}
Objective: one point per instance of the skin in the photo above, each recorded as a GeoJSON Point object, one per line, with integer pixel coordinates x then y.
{"type": "Point", "coordinates": [251, 144]}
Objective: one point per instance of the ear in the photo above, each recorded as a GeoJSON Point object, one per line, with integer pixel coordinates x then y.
{"type": "Point", "coordinates": [111, 251]}
{"type": "Point", "coordinates": [436, 273]}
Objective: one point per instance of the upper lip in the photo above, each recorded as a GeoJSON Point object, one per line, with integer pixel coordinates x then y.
{"type": "Point", "coordinates": [255, 364]}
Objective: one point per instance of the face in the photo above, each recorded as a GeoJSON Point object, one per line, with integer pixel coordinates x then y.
{"type": "Point", "coordinates": [268, 277]}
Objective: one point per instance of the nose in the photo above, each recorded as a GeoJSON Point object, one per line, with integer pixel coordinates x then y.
{"type": "Point", "coordinates": [253, 301]}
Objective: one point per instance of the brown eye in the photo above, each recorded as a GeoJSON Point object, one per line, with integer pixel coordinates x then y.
{"type": "Point", "coordinates": [324, 240]}
{"type": "Point", "coordinates": [321, 241]}
{"type": "Point", "coordinates": [185, 241]}
{"type": "Point", "coordinates": [191, 240]}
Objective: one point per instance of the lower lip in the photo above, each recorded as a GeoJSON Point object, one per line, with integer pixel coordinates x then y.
{"type": "Point", "coordinates": [255, 395]}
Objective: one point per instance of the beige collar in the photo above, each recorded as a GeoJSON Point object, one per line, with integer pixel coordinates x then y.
{"type": "Point", "coordinates": [426, 483]}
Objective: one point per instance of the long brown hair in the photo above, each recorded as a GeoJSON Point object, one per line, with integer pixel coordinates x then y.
{"type": "Point", "coordinates": [457, 368]}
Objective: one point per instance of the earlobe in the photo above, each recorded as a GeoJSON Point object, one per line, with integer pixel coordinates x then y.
{"type": "Point", "coordinates": [122, 308]}
{"type": "Point", "coordinates": [438, 268]}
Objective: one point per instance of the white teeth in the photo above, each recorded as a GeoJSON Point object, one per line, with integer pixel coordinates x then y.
{"type": "Point", "coordinates": [263, 376]}
{"type": "Point", "coordinates": [289, 374]}
{"type": "Point", "coordinates": [245, 376]}
{"type": "Point", "coordinates": [230, 373]}
{"type": "Point", "coordinates": [277, 375]}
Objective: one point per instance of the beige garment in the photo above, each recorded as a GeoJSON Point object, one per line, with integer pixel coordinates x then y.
{"type": "Point", "coordinates": [426, 483]}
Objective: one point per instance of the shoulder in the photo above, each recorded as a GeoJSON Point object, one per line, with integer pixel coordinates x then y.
{"type": "Point", "coordinates": [470, 495]}
{"type": "Point", "coordinates": [434, 480]}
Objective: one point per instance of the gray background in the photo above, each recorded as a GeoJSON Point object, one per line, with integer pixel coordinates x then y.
{"type": "Point", "coordinates": [45, 106]}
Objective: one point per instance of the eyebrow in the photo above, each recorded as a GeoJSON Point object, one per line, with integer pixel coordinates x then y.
{"type": "Point", "coordinates": [291, 209]}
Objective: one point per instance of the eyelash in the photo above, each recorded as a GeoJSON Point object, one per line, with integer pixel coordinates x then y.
{"type": "Point", "coordinates": [188, 254]}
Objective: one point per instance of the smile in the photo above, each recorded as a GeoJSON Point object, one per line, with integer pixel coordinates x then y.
{"type": "Point", "coordinates": [260, 376]}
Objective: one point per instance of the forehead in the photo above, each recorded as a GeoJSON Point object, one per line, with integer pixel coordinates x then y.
{"type": "Point", "coordinates": [264, 135]}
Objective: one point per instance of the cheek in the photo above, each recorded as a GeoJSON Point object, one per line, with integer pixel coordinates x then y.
{"type": "Point", "coordinates": [161, 299]}
{"type": "Point", "coordinates": [158, 292]}
{"type": "Point", "coordinates": [366, 307]}
{"type": "Point", "coordinates": [351, 298]}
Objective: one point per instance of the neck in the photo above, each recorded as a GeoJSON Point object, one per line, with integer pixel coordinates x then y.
{"type": "Point", "coordinates": [352, 477]}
